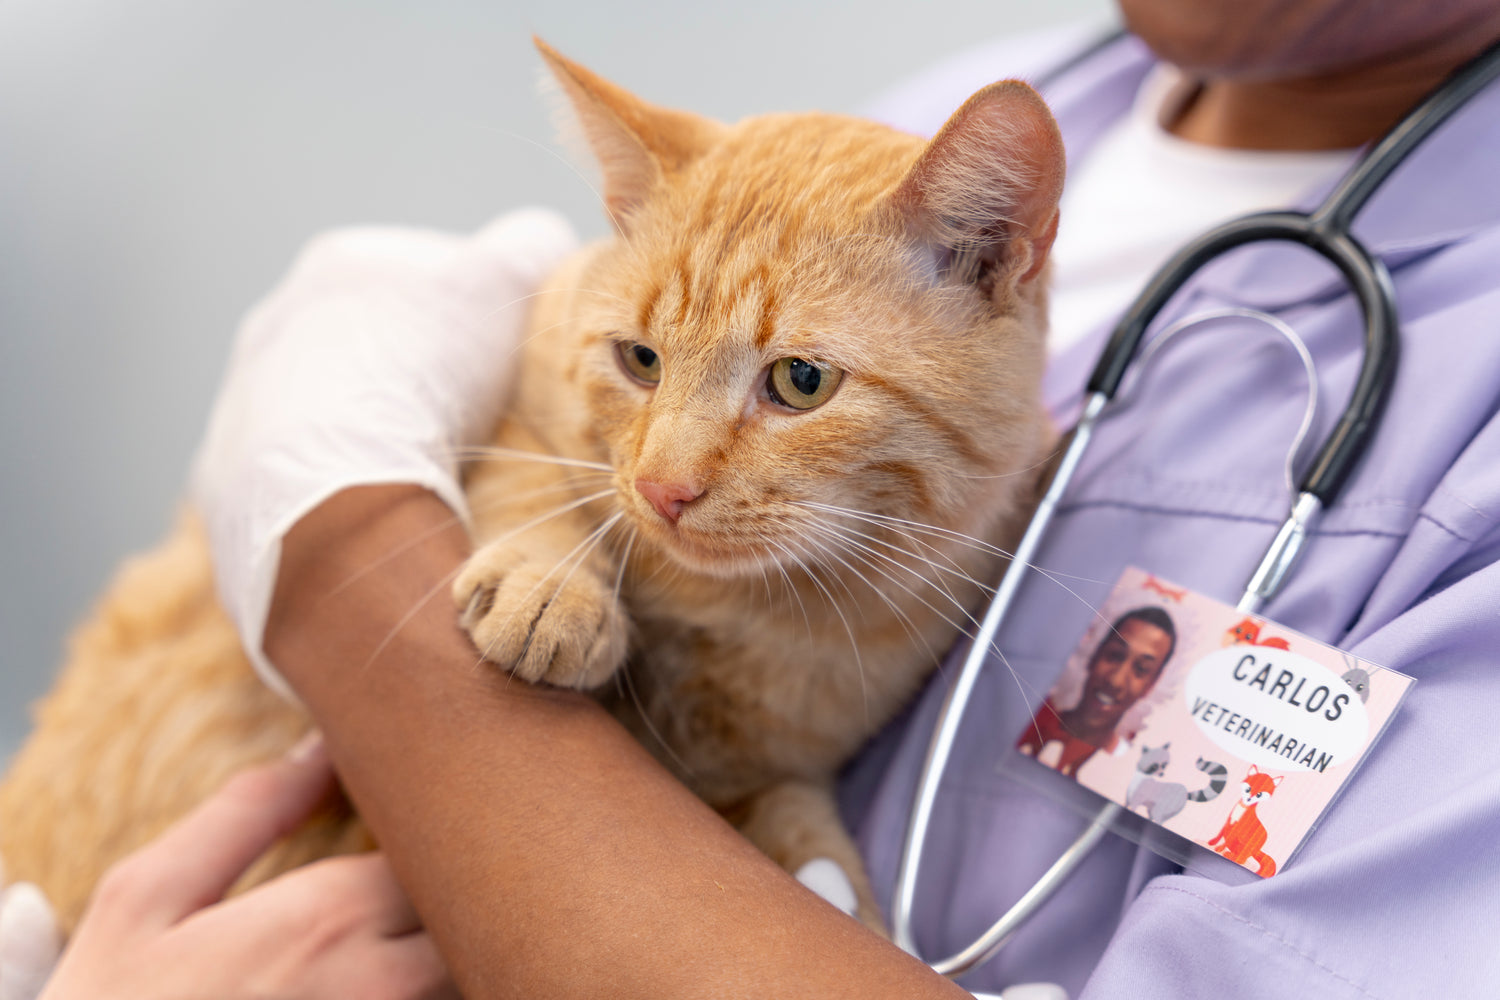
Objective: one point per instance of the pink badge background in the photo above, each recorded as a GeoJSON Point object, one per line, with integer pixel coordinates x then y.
{"type": "Point", "coordinates": [1163, 716]}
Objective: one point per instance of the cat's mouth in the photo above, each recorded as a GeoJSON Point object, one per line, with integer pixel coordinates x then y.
{"type": "Point", "coordinates": [711, 553]}
{"type": "Point", "coordinates": [708, 554]}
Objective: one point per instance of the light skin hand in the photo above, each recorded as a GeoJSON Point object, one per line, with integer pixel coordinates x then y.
{"type": "Point", "coordinates": [158, 927]}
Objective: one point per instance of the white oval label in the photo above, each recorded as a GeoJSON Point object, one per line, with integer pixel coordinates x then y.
{"type": "Point", "coordinates": [1276, 709]}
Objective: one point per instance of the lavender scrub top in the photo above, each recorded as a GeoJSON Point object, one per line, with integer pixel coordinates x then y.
{"type": "Point", "coordinates": [1397, 893]}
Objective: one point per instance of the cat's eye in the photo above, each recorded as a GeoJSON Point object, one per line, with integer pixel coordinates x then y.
{"type": "Point", "coordinates": [640, 362]}
{"type": "Point", "coordinates": [801, 384]}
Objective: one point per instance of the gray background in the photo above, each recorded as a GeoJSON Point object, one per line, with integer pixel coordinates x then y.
{"type": "Point", "coordinates": [162, 160]}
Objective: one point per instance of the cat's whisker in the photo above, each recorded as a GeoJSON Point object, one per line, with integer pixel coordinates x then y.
{"type": "Point", "coordinates": [829, 532]}
{"type": "Point", "coordinates": [567, 486]}
{"type": "Point", "coordinates": [824, 539]}
{"type": "Point", "coordinates": [538, 293]}
{"type": "Point", "coordinates": [582, 177]}
{"type": "Point", "coordinates": [888, 521]}
{"type": "Point", "coordinates": [479, 452]}
{"type": "Point", "coordinates": [880, 519]}
{"type": "Point", "coordinates": [558, 511]}
{"type": "Point", "coordinates": [869, 556]}
{"type": "Point", "coordinates": [445, 582]}
{"type": "Point", "coordinates": [1018, 472]}
{"type": "Point", "coordinates": [951, 569]}
{"type": "Point", "coordinates": [624, 683]}
{"type": "Point", "coordinates": [792, 589]}
{"type": "Point", "coordinates": [936, 530]}
{"type": "Point", "coordinates": [765, 582]}
{"type": "Point", "coordinates": [848, 535]}
{"type": "Point", "coordinates": [905, 620]}
{"type": "Point", "coordinates": [1022, 687]}
{"type": "Point", "coordinates": [421, 537]}
{"type": "Point", "coordinates": [859, 664]}
{"type": "Point", "coordinates": [537, 331]}
{"type": "Point", "coordinates": [838, 579]}
{"type": "Point", "coordinates": [628, 685]}
{"type": "Point", "coordinates": [1056, 577]}
{"type": "Point", "coordinates": [631, 535]}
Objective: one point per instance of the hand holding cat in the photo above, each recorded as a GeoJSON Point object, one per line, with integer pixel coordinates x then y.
{"type": "Point", "coordinates": [381, 352]}
{"type": "Point", "coordinates": [157, 928]}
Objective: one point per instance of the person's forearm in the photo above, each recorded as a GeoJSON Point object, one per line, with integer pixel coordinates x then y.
{"type": "Point", "coordinates": [548, 854]}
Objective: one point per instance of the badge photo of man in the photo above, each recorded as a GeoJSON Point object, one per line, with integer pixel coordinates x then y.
{"type": "Point", "coordinates": [1123, 668]}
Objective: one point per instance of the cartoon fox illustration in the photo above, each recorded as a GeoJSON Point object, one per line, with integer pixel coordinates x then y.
{"type": "Point", "coordinates": [1243, 834]}
{"type": "Point", "coordinates": [1170, 593]}
{"type": "Point", "coordinates": [1247, 633]}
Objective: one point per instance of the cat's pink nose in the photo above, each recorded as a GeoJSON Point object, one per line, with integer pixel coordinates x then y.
{"type": "Point", "coordinates": [668, 498]}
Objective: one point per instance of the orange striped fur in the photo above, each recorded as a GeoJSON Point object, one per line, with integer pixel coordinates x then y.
{"type": "Point", "coordinates": [757, 607]}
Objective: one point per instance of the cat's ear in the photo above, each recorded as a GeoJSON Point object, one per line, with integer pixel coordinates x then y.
{"type": "Point", "coordinates": [637, 144]}
{"type": "Point", "coordinates": [984, 192]}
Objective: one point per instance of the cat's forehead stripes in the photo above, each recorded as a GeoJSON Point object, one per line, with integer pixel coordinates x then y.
{"type": "Point", "coordinates": [690, 293]}
{"type": "Point", "coordinates": [763, 215]}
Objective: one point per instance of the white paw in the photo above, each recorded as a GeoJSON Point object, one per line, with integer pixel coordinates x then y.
{"type": "Point", "coordinates": [30, 941]}
{"type": "Point", "coordinates": [824, 877]}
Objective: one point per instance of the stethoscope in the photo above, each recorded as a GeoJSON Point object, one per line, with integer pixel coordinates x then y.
{"type": "Point", "coordinates": [1325, 230]}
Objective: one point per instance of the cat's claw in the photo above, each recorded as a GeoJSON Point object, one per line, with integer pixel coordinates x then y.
{"type": "Point", "coordinates": [544, 625]}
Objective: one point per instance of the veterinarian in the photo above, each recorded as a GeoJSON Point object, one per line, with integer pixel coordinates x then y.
{"type": "Point", "coordinates": [550, 857]}
{"type": "Point", "coordinates": [1125, 666]}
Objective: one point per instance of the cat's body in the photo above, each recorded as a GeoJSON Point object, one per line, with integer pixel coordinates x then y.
{"type": "Point", "coordinates": [807, 376]}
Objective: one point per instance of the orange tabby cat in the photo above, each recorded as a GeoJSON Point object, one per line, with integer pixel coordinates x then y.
{"type": "Point", "coordinates": [805, 374]}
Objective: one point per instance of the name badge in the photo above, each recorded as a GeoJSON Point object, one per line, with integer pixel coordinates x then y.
{"type": "Point", "coordinates": [1223, 728]}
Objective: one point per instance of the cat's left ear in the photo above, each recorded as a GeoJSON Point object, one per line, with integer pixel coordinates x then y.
{"type": "Point", "coordinates": [984, 192]}
{"type": "Point", "coordinates": [638, 144]}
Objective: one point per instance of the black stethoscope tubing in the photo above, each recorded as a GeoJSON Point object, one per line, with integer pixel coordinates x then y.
{"type": "Point", "coordinates": [1325, 230]}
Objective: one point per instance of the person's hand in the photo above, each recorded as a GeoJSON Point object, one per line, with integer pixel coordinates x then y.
{"type": "Point", "coordinates": [159, 928]}
{"type": "Point", "coordinates": [379, 355]}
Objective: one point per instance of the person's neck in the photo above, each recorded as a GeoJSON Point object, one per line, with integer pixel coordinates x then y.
{"type": "Point", "coordinates": [1099, 736]}
{"type": "Point", "coordinates": [1336, 111]}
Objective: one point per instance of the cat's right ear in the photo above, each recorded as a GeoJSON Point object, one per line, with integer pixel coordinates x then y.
{"type": "Point", "coordinates": [637, 144]}
{"type": "Point", "coordinates": [984, 192]}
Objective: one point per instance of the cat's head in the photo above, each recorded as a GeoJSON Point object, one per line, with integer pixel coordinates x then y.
{"type": "Point", "coordinates": [804, 314]}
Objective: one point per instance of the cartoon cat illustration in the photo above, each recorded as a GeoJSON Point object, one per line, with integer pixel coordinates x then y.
{"type": "Point", "coordinates": [1164, 799]}
{"type": "Point", "coordinates": [1243, 834]}
{"type": "Point", "coordinates": [1247, 633]}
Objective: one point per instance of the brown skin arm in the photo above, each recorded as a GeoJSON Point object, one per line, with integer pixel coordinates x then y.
{"type": "Point", "coordinates": [546, 851]}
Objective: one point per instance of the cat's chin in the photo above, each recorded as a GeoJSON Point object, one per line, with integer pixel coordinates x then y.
{"type": "Point", "coordinates": [710, 558]}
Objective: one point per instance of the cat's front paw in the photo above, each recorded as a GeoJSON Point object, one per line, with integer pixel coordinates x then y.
{"type": "Point", "coordinates": [542, 617]}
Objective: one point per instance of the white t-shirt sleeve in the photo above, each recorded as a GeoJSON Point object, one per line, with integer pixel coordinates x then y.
{"type": "Point", "coordinates": [922, 102]}
{"type": "Point", "coordinates": [381, 353]}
